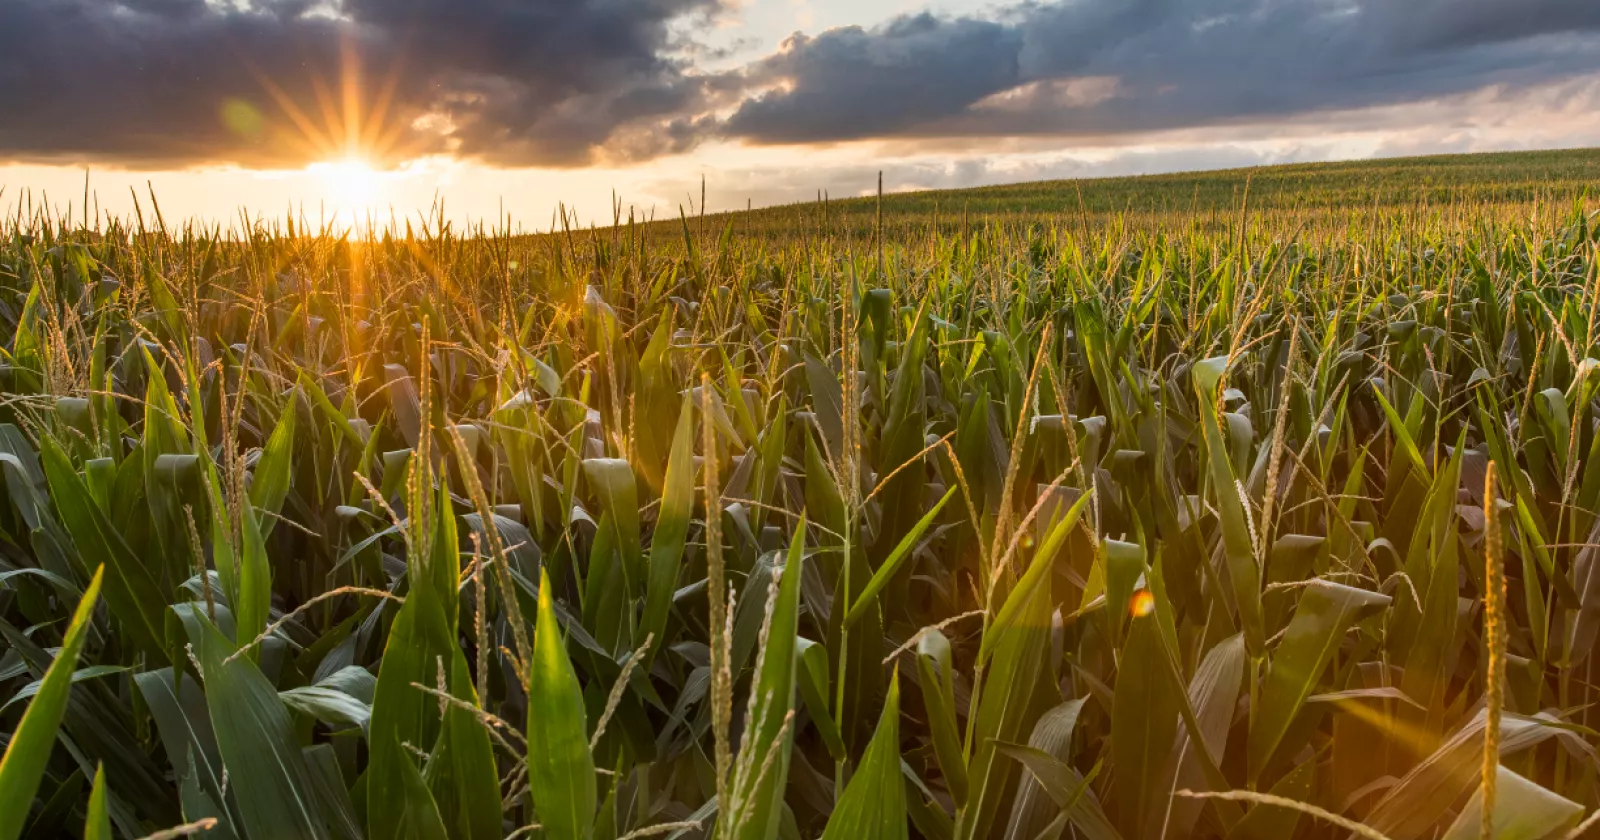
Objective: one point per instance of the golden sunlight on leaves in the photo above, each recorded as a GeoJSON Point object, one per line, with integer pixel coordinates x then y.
{"type": "Point", "coordinates": [636, 420]}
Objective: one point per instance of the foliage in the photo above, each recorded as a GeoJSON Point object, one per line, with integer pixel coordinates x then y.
{"type": "Point", "coordinates": [1075, 525]}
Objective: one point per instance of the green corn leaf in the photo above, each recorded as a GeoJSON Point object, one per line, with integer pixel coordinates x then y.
{"type": "Point", "coordinates": [671, 531]}
{"type": "Point", "coordinates": [1213, 695]}
{"type": "Point", "coordinates": [814, 681]}
{"type": "Point", "coordinates": [872, 806]}
{"type": "Point", "coordinates": [1035, 579]}
{"type": "Point", "coordinates": [605, 588]}
{"type": "Point", "coordinates": [441, 565]}
{"type": "Point", "coordinates": [824, 505]}
{"type": "Point", "coordinates": [901, 442]}
{"type": "Point", "coordinates": [1325, 612]}
{"type": "Point", "coordinates": [270, 485]}
{"type": "Point", "coordinates": [1123, 566]}
{"type": "Point", "coordinates": [560, 767]}
{"type": "Point", "coordinates": [255, 736]}
{"type": "Point", "coordinates": [1068, 788]}
{"type": "Point", "coordinates": [927, 816]}
{"type": "Point", "coordinates": [29, 748]}
{"type": "Point", "coordinates": [827, 401]}
{"type": "Point", "coordinates": [1238, 547]}
{"type": "Point", "coordinates": [857, 655]}
{"type": "Point", "coordinates": [89, 673]}
{"type": "Point", "coordinates": [1144, 724]}
{"type": "Point", "coordinates": [616, 487]}
{"type": "Point", "coordinates": [131, 592]}
{"type": "Point", "coordinates": [255, 581]}
{"type": "Point", "coordinates": [867, 599]}
{"type": "Point", "coordinates": [1528, 518]}
{"type": "Point", "coordinates": [770, 463]}
{"type": "Point", "coordinates": [1436, 639]}
{"type": "Point", "coordinates": [1402, 435]}
{"type": "Point", "coordinates": [184, 724]}
{"type": "Point", "coordinates": [1551, 406]}
{"type": "Point", "coordinates": [1523, 810]}
{"type": "Point", "coordinates": [1052, 735]}
{"type": "Point", "coordinates": [164, 432]}
{"type": "Point", "coordinates": [1008, 687]}
{"type": "Point", "coordinates": [329, 790]}
{"type": "Point", "coordinates": [462, 774]}
{"type": "Point", "coordinates": [935, 671]}
{"type": "Point", "coordinates": [319, 399]}
{"type": "Point", "coordinates": [97, 825]}
{"type": "Point", "coordinates": [419, 646]}
{"type": "Point", "coordinates": [1414, 807]}
{"type": "Point", "coordinates": [328, 705]}
{"type": "Point", "coordinates": [757, 788]}
{"type": "Point", "coordinates": [401, 713]}
{"type": "Point", "coordinates": [416, 815]}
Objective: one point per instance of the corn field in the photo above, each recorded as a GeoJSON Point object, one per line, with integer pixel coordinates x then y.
{"type": "Point", "coordinates": [1237, 524]}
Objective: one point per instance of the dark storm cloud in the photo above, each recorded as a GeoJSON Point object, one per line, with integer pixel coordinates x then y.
{"type": "Point", "coordinates": [163, 82]}
{"type": "Point", "coordinates": [569, 82]}
{"type": "Point", "coordinates": [1109, 67]}
{"type": "Point", "coordinates": [855, 83]}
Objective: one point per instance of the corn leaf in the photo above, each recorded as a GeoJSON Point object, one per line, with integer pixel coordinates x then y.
{"type": "Point", "coordinates": [758, 786]}
{"type": "Point", "coordinates": [1326, 610]}
{"type": "Point", "coordinates": [560, 767]}
{"type": "Point", "coordinates": [872, 806]}
{"type": "Point", "coordinates": [867, 599]}
{"type": "Point", "coordinates": [97, 824]}
{"type": "Point", "coordinates": [1523, 810]}
{"type": "Point", "coordinates": [255, 736]}
{"type": "Point", "coordinates": [29, 748]}
{"type": "Point", "coordinates": [672, 529]}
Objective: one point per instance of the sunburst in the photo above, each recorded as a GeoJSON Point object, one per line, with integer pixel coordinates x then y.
{"type": "Point", "coordinates": [347, 131]}
{"type": "Point", "coordinates": [351, 186]}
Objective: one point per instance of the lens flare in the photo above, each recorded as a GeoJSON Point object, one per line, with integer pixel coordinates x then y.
{"type": "Point", "coordinates": [1141, 604]}
{"type": "Point", "coordinates": [243, 118]}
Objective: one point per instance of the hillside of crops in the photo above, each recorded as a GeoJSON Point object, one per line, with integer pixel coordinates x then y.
{"type": "Point", "coordinates": [1258, 517]}
{"type": "Point", "coordinates": [1461, 190]}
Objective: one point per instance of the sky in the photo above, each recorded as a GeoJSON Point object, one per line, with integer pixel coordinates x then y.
{"type": "Point", "coordinates": [349, 110]}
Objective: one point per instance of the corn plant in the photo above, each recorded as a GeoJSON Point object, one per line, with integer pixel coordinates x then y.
{"type": "Point", "coordinates": [1223, 518]}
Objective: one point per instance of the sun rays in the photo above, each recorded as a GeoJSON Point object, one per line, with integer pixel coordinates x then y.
{"type": "Point", "coordinates": [344, 122]}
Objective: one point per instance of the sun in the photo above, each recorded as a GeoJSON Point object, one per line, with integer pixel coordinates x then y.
{"type": "Point", "coordinates": [350, 185]}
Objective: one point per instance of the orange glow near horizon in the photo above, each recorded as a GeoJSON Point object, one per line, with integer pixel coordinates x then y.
{"type": "Point", "coordinates": [352, 187]}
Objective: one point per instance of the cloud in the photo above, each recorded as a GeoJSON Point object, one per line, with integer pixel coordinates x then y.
{"type": "Point", "coordinates": [775, 184]}
{"type": "Point", "coordinates": [165, 82]}
{"type": "Point", "coordinates": [570, 83]}
{"type": "Point", "coordinates": [851, 83]}
{"type": "Point", "coordinates": [1548, 116]}
{"type": "Point", "coordinates": [1080, 68]}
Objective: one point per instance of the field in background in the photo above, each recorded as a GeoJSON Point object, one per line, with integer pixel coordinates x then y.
{"type": "Point", "coordinates": [1169, 515]}
{"type": "Point", "coordinates": [1455, 190]}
